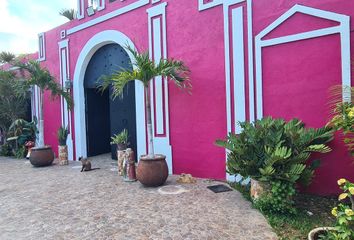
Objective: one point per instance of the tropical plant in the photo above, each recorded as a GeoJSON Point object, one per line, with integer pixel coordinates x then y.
{"type": "Point", "coordinates": [343, 114]}
{"type": "Point", "coordinates": [34, 74]}
{"type": "Point", "coordinates": [273, 149]}
{"type": "Point", "coordinates": [22, 131]}
{"type": "Point", "coordinates": [12, 105]}
{"type": "Point", "coordinates": [121, 138]}
{"type": "Point", "coordinates": [62, 135]}
{"type": "Point", "coordinates": [344, 213]}
{"type": "Point", "coordinates": [68, 13]}
{"type": "Point", "coordinates": [144, 70]}
{"type": "Point", "coordinates": [6, 57]}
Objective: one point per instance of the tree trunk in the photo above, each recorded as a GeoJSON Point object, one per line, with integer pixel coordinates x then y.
{"type": "Point", "coordinates": [41, 122]}
{"type": "Point", "coordinates": [151, 153]}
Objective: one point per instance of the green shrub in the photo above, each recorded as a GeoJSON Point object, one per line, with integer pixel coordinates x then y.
{"type": "Point", "coordinates": [121, 138]}
{"type": "Point", "coordinates": [5, 150]}
{"type": "Point", "coordinates": [273, 149]}
{"type": "Point", "coordinates": [279, 199]}
{"type": "Point", "coordinates": [62, 135]}
{"type": "Point", "coordinates": [20, 152]}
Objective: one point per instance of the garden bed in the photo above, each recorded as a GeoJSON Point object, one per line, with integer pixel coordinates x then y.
{"type": "Point", "coordinates": [313, 211]}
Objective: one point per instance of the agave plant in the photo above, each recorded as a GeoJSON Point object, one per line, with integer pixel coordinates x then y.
{"type": "Point", "coordinates": [144, 70]}
{"type": "Point", "coordinates": [68, 13]}
{"type": "Point", "coordinates": [62, 135]}
{"type": "Point", "coordinates": [273, 149]}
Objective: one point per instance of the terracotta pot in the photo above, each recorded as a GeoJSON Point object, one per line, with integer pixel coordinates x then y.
{"type": "Point", "coordinates": [152, 172]}
{"type": "Point", "coordinates": [259, 188]}
{"type": "Point", "coordinates": [42, 156]}
{"type": "Point", "coordinates": [313, 235]}
{"type": "Point", "coordinates": [63, 155]}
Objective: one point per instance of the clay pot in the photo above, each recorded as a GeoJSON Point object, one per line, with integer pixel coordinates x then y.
{"type": "Point", "coordinates": [63, 155]}
{"type": "Point", "coordinates": [259, 188]}
{"type": "Point", "coordinates": [152, 172]}
{"type": "Point", "coordinates": [42, 156]}
{"type": "Point", "coordinates": [313, 235]}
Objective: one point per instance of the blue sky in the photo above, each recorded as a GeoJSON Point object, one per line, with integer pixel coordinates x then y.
{"type": "Point", "coordinates": [22, 20]}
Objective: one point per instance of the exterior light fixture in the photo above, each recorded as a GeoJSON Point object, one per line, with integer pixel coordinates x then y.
{"type": "Point", "coordinates": [67, 85]}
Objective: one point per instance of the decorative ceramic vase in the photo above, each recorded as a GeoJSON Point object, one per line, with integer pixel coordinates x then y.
{"type": "Point", "coordinates": [314, 234]}
{"type": "Point", "coordinates": [120, 157]}
{"type": "Point", "coordinates": [42, 156]}
{"type": "Point", "coordinates": [63, 155]}
{"type": "Point", "coordinates": [152, 172]}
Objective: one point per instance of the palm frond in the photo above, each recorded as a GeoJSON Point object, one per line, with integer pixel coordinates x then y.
{"type": "Point", "coordinates": [68, 13]}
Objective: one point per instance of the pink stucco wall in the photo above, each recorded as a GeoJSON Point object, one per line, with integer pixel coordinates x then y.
{"type": "Point", "coordinates": [296, 78]}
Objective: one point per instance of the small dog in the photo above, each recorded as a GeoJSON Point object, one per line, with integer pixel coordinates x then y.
{"type": "Point", "coordinates": [86, 165]}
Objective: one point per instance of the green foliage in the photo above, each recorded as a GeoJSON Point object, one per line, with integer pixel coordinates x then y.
{"type": "Point", "coordinates": [121, 138]}
{"type": "Point", "coordinates": [20, 152]}
{"type": "Point", "coordinates": [22, 131]}
{"type": "Point", "coordinates": [279, 199]}
{"type": "Point", "coordinates": [5, 150]}
{"type": "Point", "coordinates": [145, 70]}
{"type": "Point", "coordinates": [12, 105]}
{"type": "Point", "coordinates": [6, 57]}
{"type": "Point", "coordinates": [62, 135]}
{"type": "Point", "coordinates": [68, 13]}
{"type": "Point", "coordinates": [273, 149]}
{"type": "Point", "coordinates": [344, 213]}
{"type": "Point", "coordinates": [36, 75]}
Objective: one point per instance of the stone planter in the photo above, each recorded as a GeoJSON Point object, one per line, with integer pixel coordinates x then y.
{"type": "Point", "coordinates": [313, 235]}
{"type": "Point", "coordinates": [42, 156]}
{"type": "Point", "coordinates": [63, 155]}
{"type": "Point", "coordinates": [120, 157]}
{"type": "Point", "coordinates": [259, 188]}
{"type": "Point", "coordinates": [121, 146]}
{"type": "Point", "coordinates": [152, 172]}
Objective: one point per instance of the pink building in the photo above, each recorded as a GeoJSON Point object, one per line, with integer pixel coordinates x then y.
{"type": "Point", "coordinates": [248, 59]}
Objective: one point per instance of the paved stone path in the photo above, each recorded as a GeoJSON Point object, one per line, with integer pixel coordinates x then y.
{"type": "Point", "coordinates": [62, 203]}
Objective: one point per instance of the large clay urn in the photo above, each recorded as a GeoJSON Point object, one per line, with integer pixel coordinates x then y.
{"type": "Point", "coordinates": [152, 172]}
{"type": "Point", "coordinates": [42, 156]}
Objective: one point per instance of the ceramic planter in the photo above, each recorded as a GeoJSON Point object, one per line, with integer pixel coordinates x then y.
{"type": "Point", "coordinates": [63, 155]}
{"type": "Point", "coordinates": [42, 156]}
{"type": "Point", "coordinates": [152, 172]}
{"type": "Point", "coordinates": [313, 235]}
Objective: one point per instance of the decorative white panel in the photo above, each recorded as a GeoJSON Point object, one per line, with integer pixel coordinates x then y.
{"type": "Point", "coordinates": [206, 4]}
{"type": "Point", "coordinates": [101, 5]}
{"type": "Point", "coordinates": [80, 9]}
{"type": "Point", "coordinates": [159, 87]}
{"type": "Point", "coordinates": [41, 47]}
{"type": "Point", "coordinates": [65, 76]}
{"type": "Point", "coordinates": [343, 29]}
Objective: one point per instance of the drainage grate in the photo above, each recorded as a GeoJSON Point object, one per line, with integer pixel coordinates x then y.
{"type": "Point", "coordinates": [219, 188]}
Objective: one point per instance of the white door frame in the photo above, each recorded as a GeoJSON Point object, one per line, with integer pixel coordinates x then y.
{"type": "Point", "coordinates": [96, 42]}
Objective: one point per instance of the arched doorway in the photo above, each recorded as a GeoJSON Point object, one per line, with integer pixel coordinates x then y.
{"type": "Point", "coordinates": [91, 47]}
{"type": "Point", "coordinates": [105, 116]}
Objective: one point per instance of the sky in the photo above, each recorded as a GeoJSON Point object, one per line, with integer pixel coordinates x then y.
{"type": "Point", "coordinates": [22, 20]}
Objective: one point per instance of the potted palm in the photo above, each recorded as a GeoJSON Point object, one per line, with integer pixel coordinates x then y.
{"type": "Point", "coordinates": [152, 168]}
{"type": "Point", "coordinates": [35, 75]}
{"type": "Point", "coordinates": [62, 147]}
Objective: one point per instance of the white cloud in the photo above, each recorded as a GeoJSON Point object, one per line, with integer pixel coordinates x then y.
{"type": "Point", "coordinates": [23, 20]}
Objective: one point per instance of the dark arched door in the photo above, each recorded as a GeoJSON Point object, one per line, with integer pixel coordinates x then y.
{"type": "Point", "coordinates": [106, 116]}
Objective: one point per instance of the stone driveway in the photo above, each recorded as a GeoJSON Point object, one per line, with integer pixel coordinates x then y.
{"type": "Point", "coordinates": [62, 203]}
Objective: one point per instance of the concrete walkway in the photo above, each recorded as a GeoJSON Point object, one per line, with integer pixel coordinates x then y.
{"type": "Point", "coordinates": [62, 203]}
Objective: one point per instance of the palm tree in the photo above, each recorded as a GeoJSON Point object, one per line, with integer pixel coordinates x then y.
{"type": "Point", "coordinates": [144, 70]}
{"type": "Point", "coordinates": [68, 13]}
{"type": "Point", "coordinates": [34, 75]}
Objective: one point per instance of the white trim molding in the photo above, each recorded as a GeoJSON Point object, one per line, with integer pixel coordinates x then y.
{"type": "Point", "coordinates": [101, 5]}
{"type": "Point", "coordinates": [108, 16]}
{"type": "Point", "coordinates": [63, 47]}
{"type": "Point", "coordinates": [343, 29]}
{"type": "Point", "coordinates": [203, 6]}
{"type": "Point", "coordinates": [95, 43]}
{"type": "Point", "coordinates": [41, 47]}
{"type": "Point", "coordinates": [80, 14]}
{"type": "Point", "coordinates": [159, 86]}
